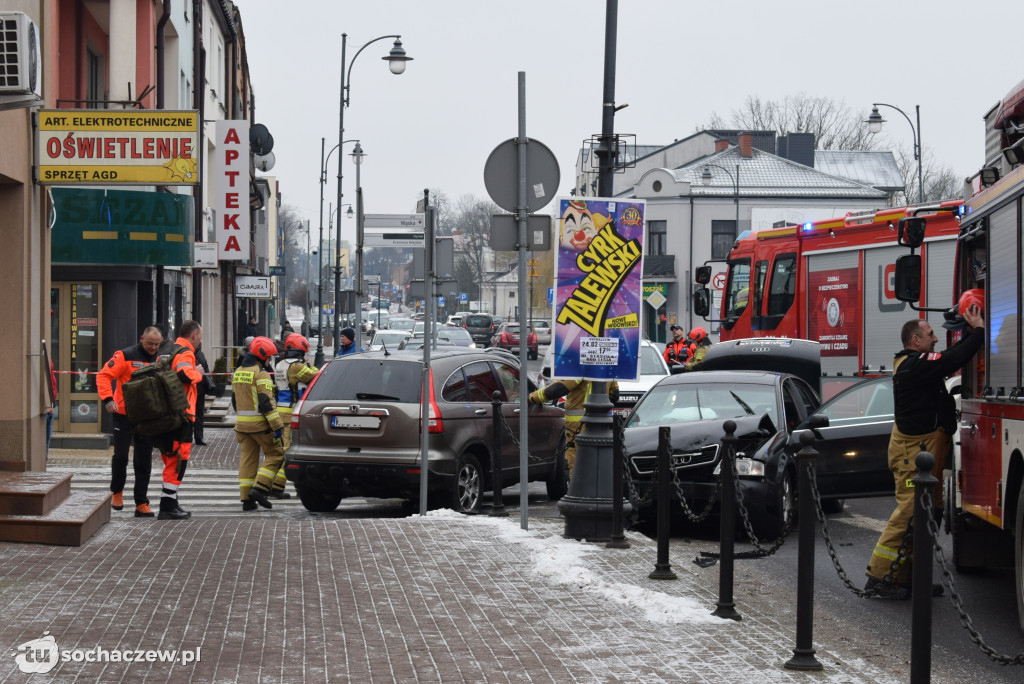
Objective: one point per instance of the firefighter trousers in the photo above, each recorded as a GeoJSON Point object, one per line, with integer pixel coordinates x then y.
{"type": "Point", "coordinates": [903, 449]}
{"type": "Point", "coordinates": [286, 441]}
{"type": "Point", "coordinates": [175, 462]}
{"type": "Point", "coordinates": [571, 430]}
{"type": "Point", "coordinates": [252, 473]}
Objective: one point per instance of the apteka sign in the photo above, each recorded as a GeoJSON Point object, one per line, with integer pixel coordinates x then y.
{"type": "Point", "coordinates": [231, 174]}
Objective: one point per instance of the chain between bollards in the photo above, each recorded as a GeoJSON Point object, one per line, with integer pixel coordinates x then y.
{"type": "Point", "coordinates": [497, 500]}
{"type": "Point", "coordinates": [726, 607]}
{"type": "Point", "coordinates": [803, 655]}
{"type": "Point", "coordinates": [921, 572]}
{"type": "Point", "coordinates": [662, 569]}
{"type": "Point", "coordinates": [618, 538]}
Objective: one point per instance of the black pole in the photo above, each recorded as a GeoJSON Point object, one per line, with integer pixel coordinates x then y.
{"type": "Point", "coordinates": [803, 655]}
{"type": "Point", "coordinates": [587, 505]}
{"type": "Point", "coordinates": [497, 499]}
{"type": "Point", "coordinates": [726, 607]}
{"type": "Point", "coordinates": [921, 573]}
{"type": "Point", "coordinates": [618, 539]}
{"type": "Point", "coordinates": [662, 569]}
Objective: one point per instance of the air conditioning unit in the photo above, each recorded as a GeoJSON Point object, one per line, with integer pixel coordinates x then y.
{"type": "Point", "coordinates": [21, 70]}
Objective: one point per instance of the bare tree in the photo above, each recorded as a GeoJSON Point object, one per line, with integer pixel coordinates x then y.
{"type": "Point", "coordinates": [295, 254]}
{"type": "Point", "coordinates": [940, 182]}
{"type": "Point", "coordinates": [835, 125]}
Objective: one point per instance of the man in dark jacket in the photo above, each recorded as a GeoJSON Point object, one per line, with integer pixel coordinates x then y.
{"type": "Point", "coordinates": [204, 388]}
{"type": "Point", "coordinates": [925, 417]}
{"type": "Point", "coordinates": [109, 381]}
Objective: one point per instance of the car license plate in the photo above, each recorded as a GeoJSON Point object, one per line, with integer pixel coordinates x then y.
{"type": "Point", "coordinates": [344, 422]}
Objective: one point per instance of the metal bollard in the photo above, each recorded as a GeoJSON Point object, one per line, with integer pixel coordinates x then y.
{"type": "Point", "coordinates": [497, 500]}
{"type": "Point", "coordinates": [803, 655]}
{"type": "Point", "coordinates": [617, 540]}
{"type": "Point", "coordinates": [726, 607]}
{"type": "Point", "coordinates": [662, 569]}
{"type": "Point", "coordinates": [921, 573]}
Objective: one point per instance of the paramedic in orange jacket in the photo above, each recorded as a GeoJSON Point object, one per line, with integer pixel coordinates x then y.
{"type": "Point", "coordinates": [190, 335]}
{"type": "Point", "coordinates": [119, 369]}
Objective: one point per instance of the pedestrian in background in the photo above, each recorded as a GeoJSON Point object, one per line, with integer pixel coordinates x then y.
{"type": "Point", "coordinates": [924, 420]}
{"type": "Point", "coordinates": [250, 328]}
{"type": "Point", "coordinates": [183, 362]}
{"type": "Point", "coordinates": [118, 370]}
{"type": "Point", "coordinates": [258, 425]}
{"type": "Point", "coordinates": [286, 330]}
{"type": "Point", "coordinates": [205, 387]}
{"type": "Point", "coordinates": [347, 338]}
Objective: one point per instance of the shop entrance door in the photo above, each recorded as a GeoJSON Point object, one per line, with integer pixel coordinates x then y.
{"type": "Point", "coordinates": [75, 336]}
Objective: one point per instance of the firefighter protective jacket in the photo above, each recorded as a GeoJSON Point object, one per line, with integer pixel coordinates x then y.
{"type": "Point", "coordinates": [292, 377]}
{"type": "Point", "coordinates": [575, 393]}
{"type": "Point", "coordinates": [119, 369]}
{"type": "Point", "coordinates": [256, 411]}
{"type": "Point", "coordinates": [922, 403]}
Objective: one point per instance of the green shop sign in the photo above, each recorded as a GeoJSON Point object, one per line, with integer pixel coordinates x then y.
{"type": "Point", "coordinates": [649, 289]}
{"type": "Point", "coordinates": [122, 227]}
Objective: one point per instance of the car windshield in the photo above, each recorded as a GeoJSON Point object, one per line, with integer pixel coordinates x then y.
{"type": "Point", "coordinates": [686, 403]}
{"type": "Point", "coordinates": [390, 338]}
{"type": "Point", "coordinates": [868, 399]}
{"type": "Point", "coordinates": [650, 361]}
{"type": "Point", "coordinates": [351, 378]}
{"type": "Point", "coordinates": [454, 334]}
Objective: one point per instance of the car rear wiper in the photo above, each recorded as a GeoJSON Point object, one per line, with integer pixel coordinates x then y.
{"type": "Point", "coordinates": [746, 407]}
{"type": "Point", "coordinates": [376, 397]}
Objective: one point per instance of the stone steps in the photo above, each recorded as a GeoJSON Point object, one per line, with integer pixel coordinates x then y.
{"type": "Point", "coordinates": [41, 508]}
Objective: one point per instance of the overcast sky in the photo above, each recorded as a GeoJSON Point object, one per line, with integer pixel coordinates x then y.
{"type": "Point", "coordinates": [677, 62]}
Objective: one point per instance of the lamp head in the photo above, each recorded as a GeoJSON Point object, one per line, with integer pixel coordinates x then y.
{"type": "Point", "coordinates": [874, 121]}
{"type": "Point", "coordinates": [705, 175]}
{"type": "Point", "coordinates": [397, 58]}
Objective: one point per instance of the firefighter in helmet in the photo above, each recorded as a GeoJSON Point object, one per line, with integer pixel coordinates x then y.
{"type": "Point", "coordinates": [258, 425]}
{"type": "Point", "coordinates": [699, 342]}
{"type": "Point", "coordinates": [576, 393]}
{"type": "Point", "coordinates": [292, 375]}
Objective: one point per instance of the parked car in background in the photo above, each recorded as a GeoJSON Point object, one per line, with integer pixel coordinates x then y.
{"type": "Point", "coordinates": [652, 369]}
{"type": "Point", "coordinates": [390, 339]}
{"type": "Point", "coordinates": [454, 321]}
{"type": "Point", "coordinates": [417, 343]}
{"type": "Point", "coordinates": [457, 336]}
{"type": "Point", "coordinates": [479, 327]}
{"type": "Point", "coordinates": [356, 432]}
{"type": "Point", "coordinates": [507, 337]}
{"type": "Point", "coordinates": [543, 330]}
{"type": "Point", "coordinates": [381, 319]}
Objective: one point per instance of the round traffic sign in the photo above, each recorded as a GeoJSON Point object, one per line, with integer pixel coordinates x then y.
{"type": "Point", "coordinates": [501, 175]}
{"type": "Point", "coordinates": [719, 281]}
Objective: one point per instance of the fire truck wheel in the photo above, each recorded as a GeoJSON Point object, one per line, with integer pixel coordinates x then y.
{"type": "Point", "coordinates": [1018, 557]}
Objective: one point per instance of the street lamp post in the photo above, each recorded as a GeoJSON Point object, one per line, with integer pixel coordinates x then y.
{"type": "Point", "coordinates": [318, 359]}
{"type": "Point", "coordinates": [705, 178]}
{"type": "Point", "coordinates": [875, 121]}
{"type": "Point", "coordinates": [396, 60]}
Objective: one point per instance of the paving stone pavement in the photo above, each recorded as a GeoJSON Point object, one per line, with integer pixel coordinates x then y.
{"type": "Point", "coordinates": [441, 598]}
{"type": "Point", "coordinates": [298, 597]}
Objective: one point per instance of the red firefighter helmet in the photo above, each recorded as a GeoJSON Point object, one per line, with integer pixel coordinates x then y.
{"type": "Point", "coordinates": [262, 348]}
{"type": "Point", "coordinates": [296, 341]}
{"type": "Point", "coordinates": [969, 298]}
{"type": "Point", "coordinates": [698, 334]}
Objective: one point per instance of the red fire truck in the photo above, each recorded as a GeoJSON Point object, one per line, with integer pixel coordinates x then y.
{"type": "Point", "coordinates": [831, 281]}
{"type": "Point", "coordinates": [986, 514]}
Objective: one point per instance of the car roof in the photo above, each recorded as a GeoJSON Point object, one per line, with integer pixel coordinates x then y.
{"type": "Point", "coordinates": [750, 377]}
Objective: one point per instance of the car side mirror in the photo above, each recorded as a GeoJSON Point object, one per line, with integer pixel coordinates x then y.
{"type": "Point", "coordinates": [702, 302]}
{"type": "Point", "coordinates": [817, 420]}
{"type": "Point", "coordinates": [546, 372]}
{"type": "Point", "coordinates": [703, 275]}
{"type": "Point", "coordinates": [910, 232]}
{"type": "Point", "coordinates": [908, 278]}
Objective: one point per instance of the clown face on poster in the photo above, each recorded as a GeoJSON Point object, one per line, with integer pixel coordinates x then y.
{"type": "Point", "coordinates": [599, 265]}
